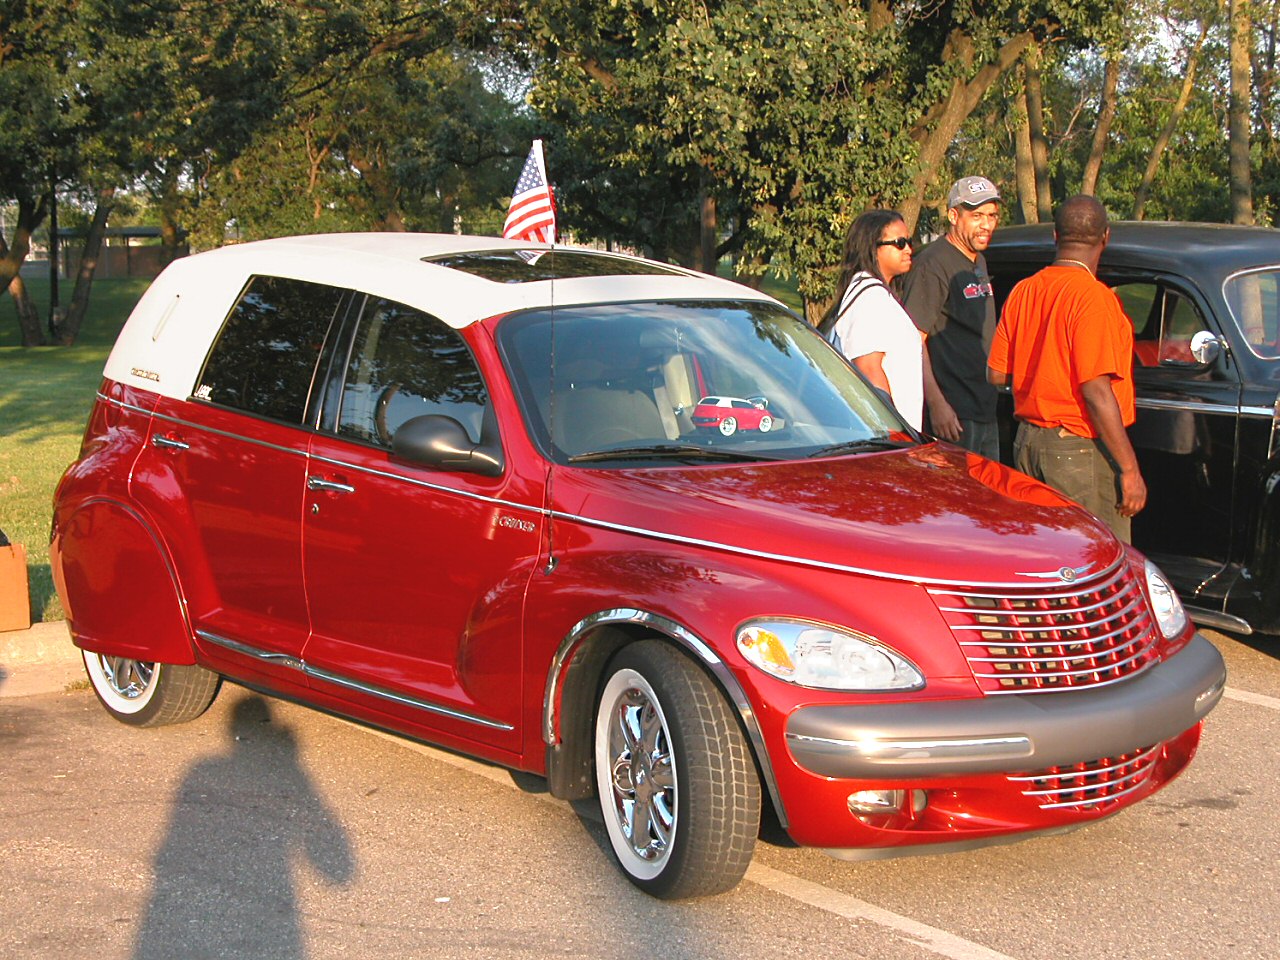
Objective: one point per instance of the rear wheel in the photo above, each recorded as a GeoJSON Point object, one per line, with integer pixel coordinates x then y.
{"type": "Point", "coordinates": [143, 693]}
{"type": "Point", "coordinates": [766, 423]}
{"type": "Point", "coordinates": [676, 780]}
{"type": "Point", "coordinates": [729, 426]}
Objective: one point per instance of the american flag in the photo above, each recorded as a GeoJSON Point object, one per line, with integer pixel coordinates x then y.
{"type": "Point", "coordinates": [532, 215]}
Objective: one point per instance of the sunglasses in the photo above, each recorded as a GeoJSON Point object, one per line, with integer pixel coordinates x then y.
{"type": "Point", "coordinates": [900, 242]}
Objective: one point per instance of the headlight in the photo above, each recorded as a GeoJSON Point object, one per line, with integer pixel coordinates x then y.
{"type": "Point", "coordinates": [830, 658]}
{"type": "Point", "coordinates": [1165, 603]}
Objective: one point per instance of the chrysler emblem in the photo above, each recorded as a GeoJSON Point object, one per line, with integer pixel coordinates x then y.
{"type": "Point", "coordinates": [1065, 574]}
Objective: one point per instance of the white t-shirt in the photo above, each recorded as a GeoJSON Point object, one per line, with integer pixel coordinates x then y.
{"type": "Point", "coordinates": [872, 321]}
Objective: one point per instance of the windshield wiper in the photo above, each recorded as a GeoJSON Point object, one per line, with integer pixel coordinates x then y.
{"type": "Point", "coordinates": [673, 451]}
{"type": "Point", "coordinates": [858, 446]}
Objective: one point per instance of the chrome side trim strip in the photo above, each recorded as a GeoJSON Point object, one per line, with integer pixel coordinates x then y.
{"type": "Point", "coordinates": [265, 656]}
{"type": "Point", "coordinates": [1263, 413]}
{"type": "Point", "coordinates": [690, 641]}
{"type": "Point", "coordinates": [1013, 747]}
{"type": "Point", "coordinates": [294, 663]}
{"type": "Point", "coordinates": [622, 528]}
{"type": "Point", "coordinates": [424, 705]}
{"type": "Point", "coordinates": [1192, 406]}
{"type": "Point", "coordinates": [1218, 619]}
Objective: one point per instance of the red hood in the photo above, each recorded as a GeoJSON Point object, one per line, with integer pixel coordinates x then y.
{"type": "Point", "coordinates": [928, 513]}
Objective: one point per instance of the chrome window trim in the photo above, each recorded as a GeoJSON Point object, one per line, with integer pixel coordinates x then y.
{"type": "Point", "coordinates": [294, 663]}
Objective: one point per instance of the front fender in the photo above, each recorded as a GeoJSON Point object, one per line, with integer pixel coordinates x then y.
{"type": "Point", "coordinates": [118, 585]}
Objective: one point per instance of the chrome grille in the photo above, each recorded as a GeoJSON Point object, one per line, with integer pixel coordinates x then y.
{"type": "Point", "coordinates": [1090, 785]}
{"type": "Point", "coordinates": [1047, 639]}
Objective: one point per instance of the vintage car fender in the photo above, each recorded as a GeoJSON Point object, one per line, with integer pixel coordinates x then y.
{"type": "Point", "coordinates": [128, 602]}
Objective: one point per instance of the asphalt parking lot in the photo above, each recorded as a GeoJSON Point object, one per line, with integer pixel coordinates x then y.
{"type": "Point", "coordinates": [264, 829]}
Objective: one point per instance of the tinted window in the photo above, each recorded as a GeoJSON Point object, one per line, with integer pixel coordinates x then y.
{"type": "Point", "coordinates": [265, 358]}
{"type": "Point", "coordinates": [405, 364]}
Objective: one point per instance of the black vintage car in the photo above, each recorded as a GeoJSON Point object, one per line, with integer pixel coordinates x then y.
{"type": "Point", "coordinates": [1205, 305]}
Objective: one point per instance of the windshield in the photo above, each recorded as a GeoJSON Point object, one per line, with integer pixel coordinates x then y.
{"type": "Point", "coordinates": [688, 381]}
{"type": "Point", "coordinates": [1254, 299]}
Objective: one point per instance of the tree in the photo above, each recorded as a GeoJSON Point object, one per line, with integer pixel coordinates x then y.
{"type": "Point", "coordinates": [791, 117]}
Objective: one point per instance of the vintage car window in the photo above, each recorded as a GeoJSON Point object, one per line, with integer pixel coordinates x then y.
{"type": "Point", "coordinates": [1164, 321]}
{"type": "Point", "coordinates": [264, 360]}
{"type": "Point", "coordinates": [407, 364]}
{"type": "Point", "coordinates": [1254, 301]}
{"type": "Point", "coordinates": [730, 378]}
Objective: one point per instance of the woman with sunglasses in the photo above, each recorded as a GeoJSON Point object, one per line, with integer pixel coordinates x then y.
{"type": "Point", "coordinates": [866, 321]}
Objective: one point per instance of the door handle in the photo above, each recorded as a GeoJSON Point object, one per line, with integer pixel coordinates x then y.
{"type": "Point", "coordinates": [319, 483]}
{"type": "Point", "coordinates": [169, 443]}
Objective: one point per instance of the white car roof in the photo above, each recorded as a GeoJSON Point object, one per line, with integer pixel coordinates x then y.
{"type": "Point", "coordinates": [165, 340]}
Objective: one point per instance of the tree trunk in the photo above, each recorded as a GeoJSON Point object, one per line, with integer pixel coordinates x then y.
{"type": "Point", "coordinates": [938, 128]}
{"type": "Point", "coordinates": [1238, 113]}
{"type": "Point", "coordinates": [1162, 141]}
{"type": "Point", "coordinates": [30, 214]}
{"type": "Point", "coordinates": [70, 328]}
{"type": "Point", "coordinates": [1035, 130]}
{"type": "Point", "coordinates": [28, 316]}
{"type": "Point", "coordinates": [1102, 129]}
{"type": "Point", "coordinates": [1024, 172]}
{"type": "Point", "coordinates": [707, 255]}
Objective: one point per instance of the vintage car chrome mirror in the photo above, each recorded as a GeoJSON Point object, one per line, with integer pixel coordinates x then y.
{"type": "Point", "coordinates": [1205, 347]}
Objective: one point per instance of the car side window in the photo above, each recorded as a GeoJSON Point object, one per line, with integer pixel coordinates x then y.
{"type": "Point", "coordinates": [1164, 322]}
{"type": "Point", "coordinates": [265, 357]}
{"type": "Point", "coordinates": [406, 364]}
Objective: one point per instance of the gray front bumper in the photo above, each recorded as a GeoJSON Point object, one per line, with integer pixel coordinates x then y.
{"type": "Point", "coordinates": [1009, 733]}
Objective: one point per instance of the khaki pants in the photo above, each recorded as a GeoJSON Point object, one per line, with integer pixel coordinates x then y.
{"type": "Point", "coordinates": [1077, 467]}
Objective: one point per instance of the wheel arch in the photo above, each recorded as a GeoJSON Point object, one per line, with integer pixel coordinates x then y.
{"type": "Point", "coordinates": [118, 584]}
{"type": "Point", "coordinates": [574, 676]}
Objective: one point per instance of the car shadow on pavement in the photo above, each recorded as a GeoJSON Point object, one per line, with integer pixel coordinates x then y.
{"type": "Point", "coordinates": [243, 821]}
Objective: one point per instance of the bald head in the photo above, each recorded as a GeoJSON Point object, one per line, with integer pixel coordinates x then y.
{"type": "Point", "coordinates": [1080, 221]}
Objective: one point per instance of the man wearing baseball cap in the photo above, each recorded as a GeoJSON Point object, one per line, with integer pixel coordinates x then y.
{"type": "Point", "coordinates": [948, 296]}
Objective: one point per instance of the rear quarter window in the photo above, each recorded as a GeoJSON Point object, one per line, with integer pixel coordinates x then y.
{"type": "Point", "coordinates": [264, 360]}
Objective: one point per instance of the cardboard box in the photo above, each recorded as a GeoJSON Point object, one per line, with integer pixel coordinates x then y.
{"type": "Point", "coordinates": [15, 600]}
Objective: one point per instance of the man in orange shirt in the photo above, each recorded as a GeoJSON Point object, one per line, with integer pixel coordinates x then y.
{"type": "Point", "coordinates": [1066, 346]}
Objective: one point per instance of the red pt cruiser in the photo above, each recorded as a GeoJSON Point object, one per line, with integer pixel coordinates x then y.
{"type": "Point", "coordinates": [453, 487]}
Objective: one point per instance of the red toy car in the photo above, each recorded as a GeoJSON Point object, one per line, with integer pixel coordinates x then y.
{"type": "Point", "coordinates": [728, 415]}
{"type": "Point", "coordinates": [451, 490]}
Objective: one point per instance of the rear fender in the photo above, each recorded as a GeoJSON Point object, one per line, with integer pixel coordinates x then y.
{"type": "Point", "coordinates": [118, 585]}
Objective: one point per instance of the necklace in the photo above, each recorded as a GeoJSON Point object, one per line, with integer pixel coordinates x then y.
{"type": "Point", "coordinates": [1078, 263]}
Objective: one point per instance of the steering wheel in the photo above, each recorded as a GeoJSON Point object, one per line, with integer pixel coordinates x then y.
{"type": "Point", "coordinates": [380, 412]}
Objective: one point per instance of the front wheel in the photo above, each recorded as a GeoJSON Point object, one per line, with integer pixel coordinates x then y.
{"type": "Point", "coordinates": [143, 693]}
{"type": "Point", "coordinates": [729, 426]}
{"type": "Point", "coordinates": [766, 423]}
{"type": "Point", "coordinates": [676, 780]}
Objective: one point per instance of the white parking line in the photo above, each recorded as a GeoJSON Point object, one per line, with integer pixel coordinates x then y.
{"type": "Point", "coordinates": [1257, 699]}
{"type": "Point", "coordinates": [805, 891]}
{"type": "Point", "coordinates": [832, 901]}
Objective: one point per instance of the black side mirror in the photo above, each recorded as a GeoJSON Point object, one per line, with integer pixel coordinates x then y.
{"type": "Point", "coordinates": [442, 442]}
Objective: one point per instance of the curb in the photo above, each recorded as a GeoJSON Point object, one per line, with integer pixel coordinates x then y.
{"type": "Point", "coordinates": [38, 660]}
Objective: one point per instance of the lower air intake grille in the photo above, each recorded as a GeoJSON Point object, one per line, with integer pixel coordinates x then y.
{"type": "Point", "coordinates": [1090, 785]}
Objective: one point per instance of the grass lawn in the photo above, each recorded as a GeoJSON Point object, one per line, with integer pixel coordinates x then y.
{"type": "Point", "coordinates": [45, 397]}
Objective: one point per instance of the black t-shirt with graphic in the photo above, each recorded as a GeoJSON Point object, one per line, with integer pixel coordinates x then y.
{"type": "Point", "coordinates": [949, 298]}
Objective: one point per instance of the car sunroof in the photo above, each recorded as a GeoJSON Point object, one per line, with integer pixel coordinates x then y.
{"type": "Point", "coordinates": [527, 266]}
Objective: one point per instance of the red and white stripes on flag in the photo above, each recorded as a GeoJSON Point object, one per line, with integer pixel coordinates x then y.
{"type": "Point", "coordinates": [532, 215]}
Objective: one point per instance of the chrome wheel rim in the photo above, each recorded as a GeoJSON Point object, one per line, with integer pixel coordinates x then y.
{"type": "Point", "coordinates": [642, 774]}
{"type": "Point", "coordinates": [129, 679]}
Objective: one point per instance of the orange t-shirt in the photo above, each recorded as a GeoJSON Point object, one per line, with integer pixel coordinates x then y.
{"type": "Point", "coordinates": [1058, 329]}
